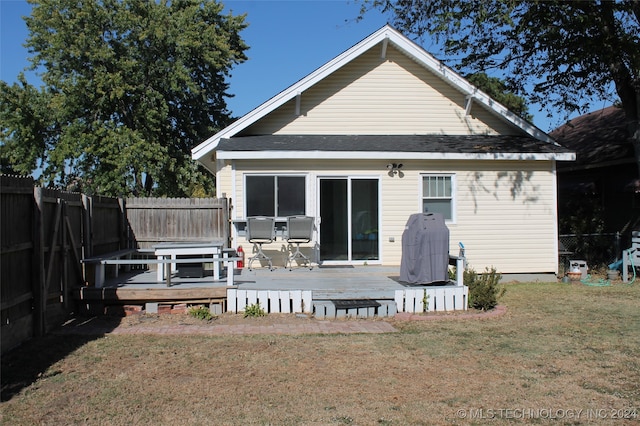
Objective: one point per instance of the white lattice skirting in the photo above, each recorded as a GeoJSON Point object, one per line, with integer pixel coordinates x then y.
{"type": "Point", "coordinates": [438, 299]}
{"type": "Point", "coordinates": [272, 301]}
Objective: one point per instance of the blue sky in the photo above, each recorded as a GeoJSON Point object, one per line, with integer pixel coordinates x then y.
{"type": "Point", "coordinates": [287, 40]}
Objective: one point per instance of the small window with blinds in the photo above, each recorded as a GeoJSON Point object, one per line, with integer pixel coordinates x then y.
{"type": "Point", "coordinates": [437, 195]}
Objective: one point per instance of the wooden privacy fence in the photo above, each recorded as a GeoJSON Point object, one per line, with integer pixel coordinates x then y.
{"type": "Point", "coordinates": [156, 220]}
{"type": "Point", "coordinates": [41, 251]}
{"type": "Point", "coordinates": [45, 233]}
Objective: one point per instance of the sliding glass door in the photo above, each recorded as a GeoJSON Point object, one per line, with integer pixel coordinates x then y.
{"type": "Point", "coordinates": [349, 219]}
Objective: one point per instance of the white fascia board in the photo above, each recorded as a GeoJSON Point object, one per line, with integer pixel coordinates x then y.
{"type": "Point", "coordinates": [379, 155]}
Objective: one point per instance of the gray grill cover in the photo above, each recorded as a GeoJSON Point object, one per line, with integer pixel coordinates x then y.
{"type": "Point", "coordinates": [425, 249]}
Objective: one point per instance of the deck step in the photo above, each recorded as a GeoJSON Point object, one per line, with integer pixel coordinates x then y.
{"type": "Point", "coordinates": [368, 308]}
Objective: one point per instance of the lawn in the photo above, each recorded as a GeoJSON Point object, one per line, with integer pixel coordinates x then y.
{"type": "Point", "coordinates": [562, 353]}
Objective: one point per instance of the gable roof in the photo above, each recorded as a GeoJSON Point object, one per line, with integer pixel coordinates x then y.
{"type": "Point", "coordinates": [384, 35]}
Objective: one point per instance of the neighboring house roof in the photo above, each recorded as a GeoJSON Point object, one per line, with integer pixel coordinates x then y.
{"type": "Point", "coordinates": [481, 147]}
{"type": "Point", "coordinates": [384, 36]}
{"type": "Point", "coordinates": [599, 138]}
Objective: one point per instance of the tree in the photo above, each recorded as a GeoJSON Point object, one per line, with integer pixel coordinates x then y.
{"type": "Point", "coordinates": [130, 86]}
{"type": "Point", "coordinates": [568, 51]}
{"type": "Point", "coordinates": [25, 130]}
{"type": "Point", "coordinates": [498, 90]}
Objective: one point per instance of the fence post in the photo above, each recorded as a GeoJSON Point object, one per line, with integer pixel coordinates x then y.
{"type": "Point", "coordinates": [39, 294]}
{"type": "Point", "coordinates": [87, 246]}
{"type": "Point", "coordinates": [122, 226]}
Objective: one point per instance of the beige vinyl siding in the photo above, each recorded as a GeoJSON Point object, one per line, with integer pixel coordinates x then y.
{"type": "Point", "coordinates": [374, 96]}
{"type": "Point", "coordinates": [507, 216]}
{"type": "Point", "coordinates": [505, 211]}
{"type": "Point", "coordinates": [224, 181]}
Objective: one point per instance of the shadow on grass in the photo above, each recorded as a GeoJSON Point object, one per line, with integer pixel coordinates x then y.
{"type": "Point", "coordinates": [32, 361]}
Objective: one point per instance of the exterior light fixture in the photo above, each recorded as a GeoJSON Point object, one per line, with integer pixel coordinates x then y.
{"type": "Point", "coordinates": [394, 169]}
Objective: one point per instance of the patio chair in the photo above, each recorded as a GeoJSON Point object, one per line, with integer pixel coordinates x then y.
{"type": "Point", "coordinates": [260, 230]}
{"type": "Point", "coordinates": [299, 230]}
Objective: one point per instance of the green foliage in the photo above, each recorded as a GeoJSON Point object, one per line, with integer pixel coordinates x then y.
{"type": "Point", "coordinates": [24, 127]}
{"type": "Point", "coordinates": [425, 301]}
{"type": "Point", "coordinates": [484, 290]}
{"type": "Point", "coordinates": [254, 311]}
{"type": "Point", "coordinates": [498, 90]}
{"type": "Point", "coordinates": [130, 88]}
{"type": "Point", "coordinates": [581, 212]}
{"type": "Point", "coordinates": [200, 312]}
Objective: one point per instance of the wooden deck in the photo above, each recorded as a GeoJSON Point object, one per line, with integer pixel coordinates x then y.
{"type": "Point", "coordinates": [279, 290]}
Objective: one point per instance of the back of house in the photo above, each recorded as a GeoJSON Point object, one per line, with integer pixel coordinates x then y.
{"type": "Point", "coordinates": [381, 132]}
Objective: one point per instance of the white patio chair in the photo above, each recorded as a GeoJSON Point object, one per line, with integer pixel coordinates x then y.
{"type": "Point", "coordinates": [299, 230]}
{"type": "Point", "coordinates": [260, 230]}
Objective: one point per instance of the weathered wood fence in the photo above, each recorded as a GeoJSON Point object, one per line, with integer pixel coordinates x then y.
{"type": "Point", "coordinates": [156, 220]}
{"type": "Point", "coordinates": [45, 233]}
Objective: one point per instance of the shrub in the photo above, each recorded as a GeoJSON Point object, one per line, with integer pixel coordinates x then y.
{"type": "Point", "coordinates": [254, 311]}
{"type": "Point", "coordinates": [484, 290]}
{"type": "Point", "coordinates": [425, 301]}
{"type": "Point", "coordinates": [201, 312]}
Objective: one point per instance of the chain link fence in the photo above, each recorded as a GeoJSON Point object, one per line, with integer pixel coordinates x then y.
{"type": "Point", "coordinates": [598, 250]}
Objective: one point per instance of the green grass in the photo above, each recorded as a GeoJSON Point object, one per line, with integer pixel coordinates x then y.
{"type": "Point", "coordinates": [559, 347]}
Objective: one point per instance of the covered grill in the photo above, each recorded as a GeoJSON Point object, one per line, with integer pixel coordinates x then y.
{"type": "Point", "coordinates": [425, 249]}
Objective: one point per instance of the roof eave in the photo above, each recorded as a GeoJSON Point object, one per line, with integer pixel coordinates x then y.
{"type": "Point", "coordinates": [378, 155]}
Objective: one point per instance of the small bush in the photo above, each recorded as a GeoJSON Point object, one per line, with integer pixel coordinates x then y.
{"type": "Point", "coordinates": [254, 311]}
{"type": "Point", "coordinates": [484, 290]}
{"type": "Point", "coordinates": [425, 301]}
{"type": "Point", "coordinates": [201, 312]}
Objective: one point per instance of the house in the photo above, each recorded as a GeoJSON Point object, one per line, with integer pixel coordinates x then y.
{"type": "Point", "coordinates": [383, 131]}
{"type": "Point", "coordinates": [602, 184]}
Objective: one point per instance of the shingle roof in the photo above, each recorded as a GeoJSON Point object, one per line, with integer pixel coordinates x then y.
{"type": "Point", "coordinates": [597, 137]}
{"type": "Point", "coordinates": [458, 144]}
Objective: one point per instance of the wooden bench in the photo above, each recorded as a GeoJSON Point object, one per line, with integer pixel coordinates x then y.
{"type": "Point", "coordinates": [631, 256]}
{"type": "Point", "coordinates": [116, 258]}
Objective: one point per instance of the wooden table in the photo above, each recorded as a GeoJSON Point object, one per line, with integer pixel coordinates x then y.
{"type": "Point", "coordinates": [172, 250]}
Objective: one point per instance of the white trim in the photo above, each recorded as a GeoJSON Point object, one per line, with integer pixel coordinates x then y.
{"type": "Point", "coordinates": [454, 193]}
{"type": "Point", "coordinates": [234, 192]}
{"type": "Point", "coordinates": [468, 103]}
{"type": "Point", "coordinates": [556, 238]}
{"type": "Point", "coordinates": [298, 100]}
{"type": "Point", "coordinates": [385, 34]}
{"type": "Point", "coordinates": [376, 155]}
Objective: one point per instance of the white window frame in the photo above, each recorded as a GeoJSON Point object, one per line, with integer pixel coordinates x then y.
{"type": "Point", "coordinates": [452, 176]}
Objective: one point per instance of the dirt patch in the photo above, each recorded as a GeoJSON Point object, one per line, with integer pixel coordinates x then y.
{"type": "Point", "coordinates": [222, 319]}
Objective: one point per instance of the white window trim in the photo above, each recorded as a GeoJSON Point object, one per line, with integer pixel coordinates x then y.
{"type": "Point", "coordinates": [454, 193]}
